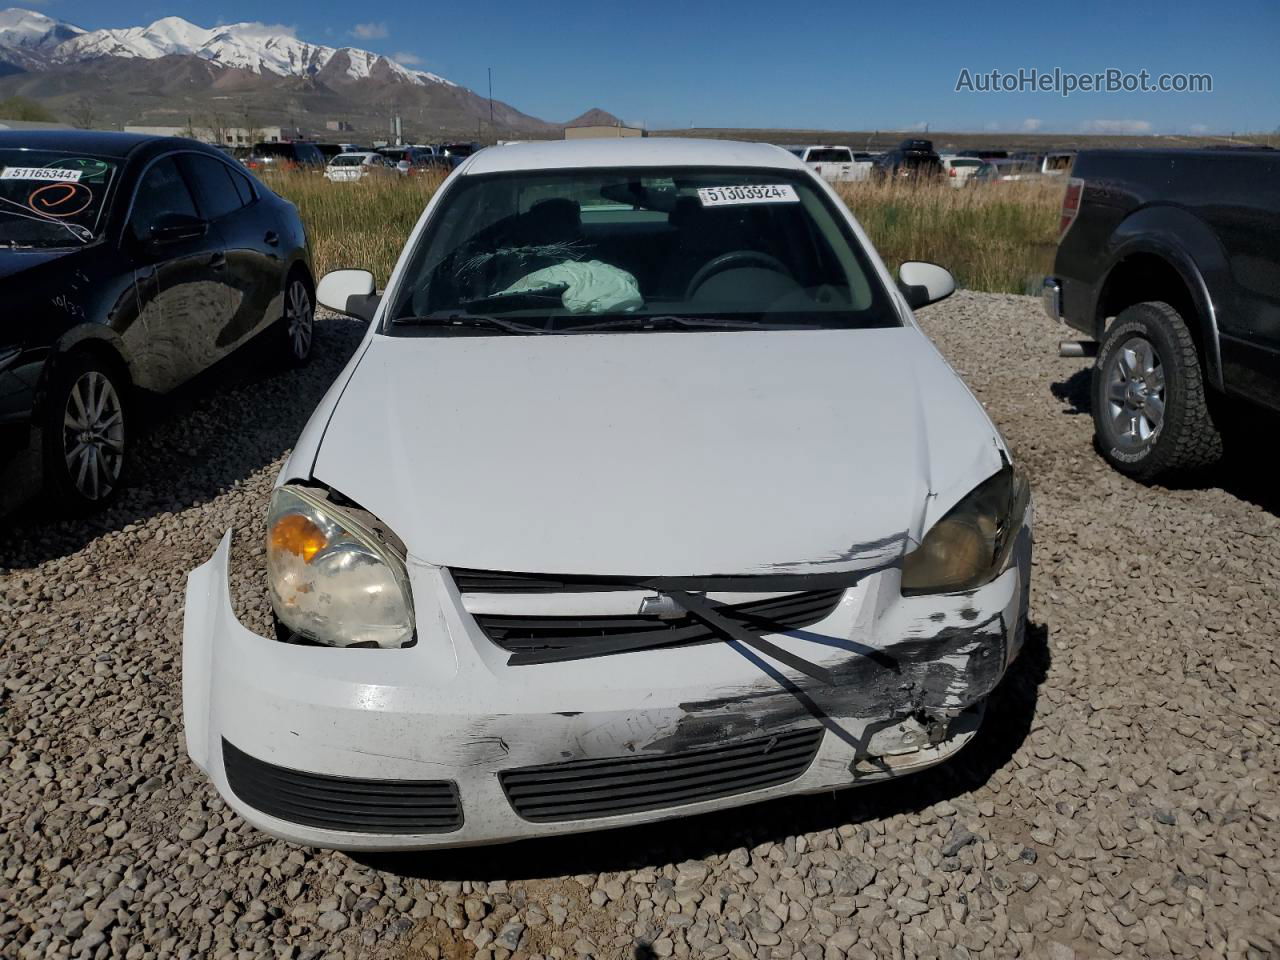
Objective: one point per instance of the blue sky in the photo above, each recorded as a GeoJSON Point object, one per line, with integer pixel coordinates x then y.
{"type": "Point", "coordinates": [880, 65]}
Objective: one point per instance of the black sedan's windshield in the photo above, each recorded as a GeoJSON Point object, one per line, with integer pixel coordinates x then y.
{"type": "Point", "coordinates": [559, 250]}
{"type": "Point", "coordinates": [51, 198]}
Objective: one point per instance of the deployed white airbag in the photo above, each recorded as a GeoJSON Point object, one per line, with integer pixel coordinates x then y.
{"type": "Point", "coordinates": [593, 286]}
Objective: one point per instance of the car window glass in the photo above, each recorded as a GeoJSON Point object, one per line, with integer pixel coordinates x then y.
{"type": "Point", "coordinates": [829, 156]}
{"type": "Point", "coordinates": [243, 187]}
{"type": "Point", "coordinates": [161, 191]}
{"type": "Point", "coordinates": [693, 242]}
{"type": "Point", "coordinates": [215, 192]}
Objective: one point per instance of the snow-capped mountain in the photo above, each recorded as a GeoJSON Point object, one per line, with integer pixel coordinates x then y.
{"type": "Point", "coordinates": [27, 38]}
{"type": "Point", "coordinates": [174, 73]}
{"type": "Point", "coordinates": [33, 41]}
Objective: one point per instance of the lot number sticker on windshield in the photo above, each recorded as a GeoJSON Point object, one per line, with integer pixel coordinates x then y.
{"type": "Point", "coordinates": [49, 174]}
{"type": "Point", "coordinates": [754, 193]}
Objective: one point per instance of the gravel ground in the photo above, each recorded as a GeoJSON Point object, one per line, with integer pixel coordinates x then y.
{"type": "Point", "coordinates": [1123, 798]}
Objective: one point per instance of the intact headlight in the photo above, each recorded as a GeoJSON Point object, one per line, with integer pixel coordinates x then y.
{"type": "Point", "coordinates": [334, 579]}
{"type": "Point", "coordinates": [971, 545]}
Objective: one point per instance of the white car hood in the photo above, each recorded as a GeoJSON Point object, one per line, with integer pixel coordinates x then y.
{"type": "Point", "coordinates": [658, 454]}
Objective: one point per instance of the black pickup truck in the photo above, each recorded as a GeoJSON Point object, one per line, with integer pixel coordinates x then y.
{"type": "Point", "coordinates": [1170, 261]}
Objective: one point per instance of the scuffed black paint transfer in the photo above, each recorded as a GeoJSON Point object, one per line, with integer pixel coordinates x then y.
{"type": "Point", "coordinates": [938, 675]}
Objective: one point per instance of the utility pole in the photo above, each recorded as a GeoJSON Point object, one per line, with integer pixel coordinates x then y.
{"type": "Point", "coordinates": [491, 101]}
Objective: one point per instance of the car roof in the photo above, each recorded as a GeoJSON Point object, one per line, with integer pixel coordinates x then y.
{"type": "Point", "coordinates": [629, 152]}
{"type": "Point", "coordinates": [103, 143]}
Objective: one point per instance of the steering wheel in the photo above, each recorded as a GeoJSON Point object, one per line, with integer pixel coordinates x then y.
{"type": "Point", "coordinates": [730, 260]}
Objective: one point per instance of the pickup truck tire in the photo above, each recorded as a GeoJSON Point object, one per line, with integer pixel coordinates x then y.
{"type": "Point", "coordinates": [1150, 408]}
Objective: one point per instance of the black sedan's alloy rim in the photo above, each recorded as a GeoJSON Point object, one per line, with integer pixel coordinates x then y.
{"type": "Point", "coordinates": [93, 435]}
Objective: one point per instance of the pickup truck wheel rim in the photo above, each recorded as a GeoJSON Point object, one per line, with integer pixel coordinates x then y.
{"type": "Point", "coordinates": [1135, 393]}
{"type": "Point", "coordinates": [300, 317]}
{"type": "Point", "coordinates": [93, 435]}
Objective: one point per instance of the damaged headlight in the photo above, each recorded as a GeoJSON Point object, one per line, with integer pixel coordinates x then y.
{"type": "Point", "coordinates": [971, 545]}
{"type": "Point", "coordinates": [334, 579]}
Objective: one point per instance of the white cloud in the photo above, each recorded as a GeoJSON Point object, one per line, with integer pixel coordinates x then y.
{"type": "Point", "coordinates": [408, 59]}
{"type": "Point", "coordinates": [1117, 126]}
{"type": "Point", "coordinates": [1199, 128]}
{"type": "Point", "coordinates": [1031, 124]}
{"type": "Point", "coordinates": [369, 31]}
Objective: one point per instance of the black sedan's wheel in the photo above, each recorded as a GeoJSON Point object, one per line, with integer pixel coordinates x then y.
{"type": "Point", "coordinates": [299, 320]}
{"type": "Point", "coordinates": [86, 432]}
{"type": "Point", "coordinates": [1150, 411]}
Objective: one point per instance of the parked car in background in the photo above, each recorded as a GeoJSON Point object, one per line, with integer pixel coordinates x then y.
{"type": "Point", "coordinates": [128, 264]}
{"type": "Point", "coordinates": [457, 151]}
{"type": "Point", "coordinates": [415, 161]}
{"type": "Point", "coordinates": [351, 167]}
{"type": "Point", "coordinates": [641, 628]}
{"type": "Point", "coordinates": [328, 150]}
{"type": "Point", "coordinates": [292, 156]}
{"type": "Point", "coordinates": [959, 169]}
{"type": "Point", "coordinates": [1058, 164]}
{"type": "Point", "coordinates": [1170, 261]}
{"type": "Point", "coordinates": [910, 160]}
{"type": "Point", "coordinates": [1005, 171]}
{"type": "Point", "coordinates": [835, 164]}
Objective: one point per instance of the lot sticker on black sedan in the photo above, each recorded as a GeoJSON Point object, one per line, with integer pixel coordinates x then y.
{"type": "Point", "coordinates": [49, 174]}
{"type": "Point", "coordinates": [754, 193]}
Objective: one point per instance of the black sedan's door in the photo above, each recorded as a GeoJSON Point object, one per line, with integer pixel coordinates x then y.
{"type": "Point", "coordinates": [180, 267]}
{"type": "Point", "coordinates": [254, 276]}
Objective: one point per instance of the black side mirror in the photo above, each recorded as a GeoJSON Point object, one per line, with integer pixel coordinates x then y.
{"type": "Point", "coordinates": [176, 227]}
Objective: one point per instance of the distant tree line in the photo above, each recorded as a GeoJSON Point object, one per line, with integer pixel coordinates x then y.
{"type": "Point", "coordinates": [24, 108]}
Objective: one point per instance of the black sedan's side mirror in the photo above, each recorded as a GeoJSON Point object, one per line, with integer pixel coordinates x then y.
{"type": "Point", "coordinates": [176, 227]}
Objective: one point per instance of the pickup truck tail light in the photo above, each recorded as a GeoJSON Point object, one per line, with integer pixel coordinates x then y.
{"type": "Point", "coordinates": [1070, 205]}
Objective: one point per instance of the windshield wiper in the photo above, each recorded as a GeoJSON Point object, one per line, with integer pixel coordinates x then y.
{"type": "Point", "coordinates": [472, 320]}
{"type": "Point", "coordinates": [672, 322]}
{"type": "Point", "coordinates": [523, 300]}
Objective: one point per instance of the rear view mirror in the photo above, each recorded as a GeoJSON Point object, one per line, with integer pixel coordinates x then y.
{"type": "Point", "coordinates": [176, 227]}
{"type": "Point", "coordinates": [924, 283]}
{"type": "Point", "coordinates": [350, 292]}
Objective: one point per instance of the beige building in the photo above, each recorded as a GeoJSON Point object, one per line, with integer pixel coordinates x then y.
{"type": "Point", "coordinates": [588, 131]}
{"type": "Point", "coordinates": [227, 136]}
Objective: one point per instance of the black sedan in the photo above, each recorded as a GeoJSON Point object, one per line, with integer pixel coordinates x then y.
{"type": "Point", "coordinates": [128, 264]}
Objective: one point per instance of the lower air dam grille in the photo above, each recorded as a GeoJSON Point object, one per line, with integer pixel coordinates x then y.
{"type": "Point", "coordinates": [349, 804]}
{"type": "Point", "coordinates": [582, 789]}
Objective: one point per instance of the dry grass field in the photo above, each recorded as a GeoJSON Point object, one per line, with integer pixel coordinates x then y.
{"type": "Point", "coordinates": [998, 238]}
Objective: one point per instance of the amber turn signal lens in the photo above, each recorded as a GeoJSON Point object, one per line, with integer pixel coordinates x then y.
{"type": "Point", "coordinates": [294, 533]}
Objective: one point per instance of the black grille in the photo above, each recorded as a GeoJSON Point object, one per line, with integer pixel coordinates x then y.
{"type": "Point", "coordinates": [539, 634]}
{"type": "Point", "coordinates": [350, 804]}
{"type": "Point", "coordinates": [583, 789]}
{"type": "Point", "coordinates": [496, 581]}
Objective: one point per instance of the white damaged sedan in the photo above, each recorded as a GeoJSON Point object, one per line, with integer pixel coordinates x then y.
{"type": "Point", "coordinates": [643, 496]}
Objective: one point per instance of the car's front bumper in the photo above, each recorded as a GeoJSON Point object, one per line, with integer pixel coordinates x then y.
{"type": "Point", "coordinates": [910, 679]}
